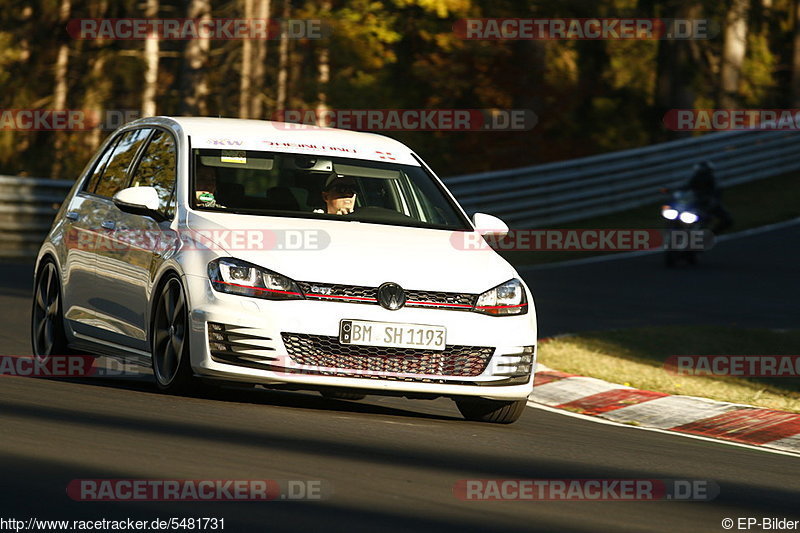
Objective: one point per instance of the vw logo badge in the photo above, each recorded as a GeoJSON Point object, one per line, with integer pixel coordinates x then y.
{"type": "Point", "coordinates": [391, 296]}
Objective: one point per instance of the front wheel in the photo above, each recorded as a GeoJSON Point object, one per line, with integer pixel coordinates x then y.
{"type": "Point", "coordinates": [170, 341]}
{"type": "Point", "coordinates": [496, 412]}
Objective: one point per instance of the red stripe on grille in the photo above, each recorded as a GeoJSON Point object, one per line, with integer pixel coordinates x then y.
{"type": "Point", "coordinates": [440, 304]}
{"type": "Point", "coordinates": [342, 297]}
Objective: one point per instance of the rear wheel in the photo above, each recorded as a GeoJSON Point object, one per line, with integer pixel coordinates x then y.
{"type": "Point", "coordinates": [170, 341]}
{"type": "Point", "coordinates": [497, 412]}
{"type": "Point", "coordinates": [47, 320]}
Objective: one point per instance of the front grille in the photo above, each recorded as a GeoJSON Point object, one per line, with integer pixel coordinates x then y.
{"type": "Point", "coordinates": [326, 351]}
{"type": "Point", "coordinates": [368, 295]}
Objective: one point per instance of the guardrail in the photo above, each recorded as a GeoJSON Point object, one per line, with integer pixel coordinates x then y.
{"type": "Point", "coordinates": [526, 197]}
{"type": "Point", "coordinates": [27, 208]}
{"type": "Point", "coordinates": [554, 193]}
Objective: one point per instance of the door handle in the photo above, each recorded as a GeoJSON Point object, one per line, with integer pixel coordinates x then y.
{"type": "Point", "coordinates": [72, 215]}
{"type": "Point", "coordinates": [108, 224]}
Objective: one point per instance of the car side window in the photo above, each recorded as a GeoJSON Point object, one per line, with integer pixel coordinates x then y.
{"type": "Point", "coordinates": [100, 167]}
{"type": "Point", "coordinates": [115, 174]}
{"type": "Point", "coordinates": [157, 169]}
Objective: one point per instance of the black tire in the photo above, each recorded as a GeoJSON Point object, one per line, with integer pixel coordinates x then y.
{"type": "Point", "coordinates": [342, 395]}
{"type": "Point", "coordinates": [496, 412]}
{"type": "Point", "coordinates": [169, 341]}
{"type": "Point", "coordinates": [48, 337]}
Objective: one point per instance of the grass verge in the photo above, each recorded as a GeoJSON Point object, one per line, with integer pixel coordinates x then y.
{"type": "Point", "coordinates": [636, 357]}
{"type": "Point", "coordinates": [753, 204]}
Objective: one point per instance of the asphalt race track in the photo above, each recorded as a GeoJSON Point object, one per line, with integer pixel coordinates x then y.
{"type": "Point", "coordinates": [390, 463]}
{"type": "Point", "coordinates": [749, 281]}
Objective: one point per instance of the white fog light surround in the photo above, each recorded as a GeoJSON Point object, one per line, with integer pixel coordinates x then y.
{"type": "Point", "coordinates": [687, 217]}
{"type": "Point", "coordinates": [504, 300]}
{"type": "Point", "coordinates": [669, 213]}
{"type": "Point", "coordinates": [234, 276]}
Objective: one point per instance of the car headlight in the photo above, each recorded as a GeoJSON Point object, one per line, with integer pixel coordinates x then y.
{"type": "Point", "coordinates": [506, 299]}
{"type": "Point", "coordinates": [234, 276]}
{"type": "Point", "coordinates": [669, 213]}
{"type": "Point", "coordinates": [687, 217]}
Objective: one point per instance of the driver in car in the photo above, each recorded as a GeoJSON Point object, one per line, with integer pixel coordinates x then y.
{"type": "Point", "coordinates": [339, 195]}
{"type": "Point", "coordinates": [206, 187]}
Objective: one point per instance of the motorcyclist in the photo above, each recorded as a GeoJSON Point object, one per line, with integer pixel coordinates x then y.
{"type": "Point", "coordinates": [703, 184]}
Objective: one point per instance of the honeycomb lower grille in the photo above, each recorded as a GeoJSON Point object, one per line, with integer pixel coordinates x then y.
{"type": "Point", "coordinates": [326, 351]}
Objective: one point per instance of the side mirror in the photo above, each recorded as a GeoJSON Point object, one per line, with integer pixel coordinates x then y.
{"type": "Point", "coordinates": [139, 201]}
{"type": "Point", "coordinates": [489, 225]}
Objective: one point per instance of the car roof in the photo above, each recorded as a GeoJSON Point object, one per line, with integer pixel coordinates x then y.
{"type": "Point", "coordinates": [265, 135]}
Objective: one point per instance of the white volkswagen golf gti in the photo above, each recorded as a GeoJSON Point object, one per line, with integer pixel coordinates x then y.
{"type": "Point", "coordinates": [289, 256]}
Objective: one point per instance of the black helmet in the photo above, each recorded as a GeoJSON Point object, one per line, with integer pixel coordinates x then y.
{"type": "Point", "coordinates": [704, 166]}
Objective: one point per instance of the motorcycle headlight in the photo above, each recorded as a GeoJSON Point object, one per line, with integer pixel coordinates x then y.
{"type": "Point", "coordinates": [669, 213]}
{"type": "Point", "coordinates": [687, 217]}
{"type": "Point", "coordinates": [505, 299]}
{"type": "Point", "coordinates": [234, 276]}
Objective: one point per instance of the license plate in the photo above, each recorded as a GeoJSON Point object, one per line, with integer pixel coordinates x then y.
{"type": "Point", "coordinates": [367, 333]}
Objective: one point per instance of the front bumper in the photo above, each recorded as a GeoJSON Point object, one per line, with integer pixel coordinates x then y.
{"type": "Point", "coordinates": [261, 326]}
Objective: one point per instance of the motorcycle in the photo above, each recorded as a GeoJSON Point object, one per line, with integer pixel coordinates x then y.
{"type": "Point", "coordinates": [686, 218]}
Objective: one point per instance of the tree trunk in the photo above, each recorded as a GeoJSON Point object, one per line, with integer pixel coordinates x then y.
{"type": "Point", "coordinates": [733, 51]}
{"type": "Point", "coordinates": [283, 61]}
{"type": "Point", "coordinates": [194, 82]}
{"type": "Point", "coordinates": [61, 88]}
{"type": "Point", "coordinates": [151, 51]}
{"type": "Point", "coordinates": [675, 69]}
{"type": "Point", "coordinates": [257, 97]}
{"type": "Point", "coordinates": [97, 90]}
{"type": "Point", "coordinates": [796, 57]}
{"type": "Point", "coordinates": [323, 72]}
{"type": "Point", "coordinates": [246, 74]}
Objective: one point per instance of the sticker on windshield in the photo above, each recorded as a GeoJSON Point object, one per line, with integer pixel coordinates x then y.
{"type": "Point", "coordinates": [234, 156]}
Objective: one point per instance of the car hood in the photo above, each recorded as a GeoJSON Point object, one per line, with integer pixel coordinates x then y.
{"type": "Point", "coordinates": [355, 253]}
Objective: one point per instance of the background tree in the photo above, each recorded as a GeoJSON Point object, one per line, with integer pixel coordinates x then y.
{"type": "Point", "coordinates": [589, 96]}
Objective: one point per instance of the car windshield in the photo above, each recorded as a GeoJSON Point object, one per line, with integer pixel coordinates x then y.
{"type": "Point", "coordinates": [283, 184]}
